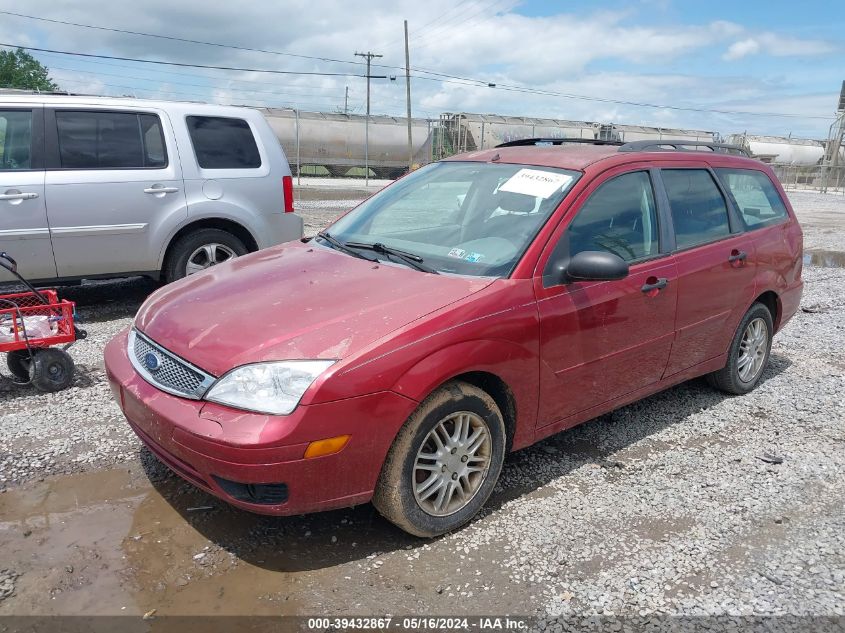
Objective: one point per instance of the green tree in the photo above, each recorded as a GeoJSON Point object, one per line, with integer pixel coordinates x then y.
{"type": "Point", "coordinates": [19, 69]}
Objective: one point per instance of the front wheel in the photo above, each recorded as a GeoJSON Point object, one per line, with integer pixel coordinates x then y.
{"type": "Point", "coordinates": [444, 462]}
{"type": "Point", "coordinates": [748, 354]}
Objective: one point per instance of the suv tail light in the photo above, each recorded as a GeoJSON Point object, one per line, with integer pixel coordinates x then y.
{"type": "Point", "coordinates": [287, 187]}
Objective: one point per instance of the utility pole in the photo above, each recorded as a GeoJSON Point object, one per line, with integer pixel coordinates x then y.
{"type": "Point", "coordinates": [834, 145]}
{"type": "Point", "coordinates": [346, 101]}
{"type": "Point", "coordinates": [408, 99]}
{"type": "Point", "coordinates": [369, 57]}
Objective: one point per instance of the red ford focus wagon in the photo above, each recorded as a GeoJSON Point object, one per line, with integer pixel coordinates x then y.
{"type": "Point", "coordinates": [470, 309]}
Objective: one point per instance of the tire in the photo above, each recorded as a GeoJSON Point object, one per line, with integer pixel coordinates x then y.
{"type": "Point", "coordinates": [18, 364]}
{"type": "Point", "coordinates": [190, 247]}
{"type": "Point", "coordinates": [732, 378]}
{"type": "Point", "coordinates": [51, 369]}
{"type": "Point", "coordinates": [456, 403]}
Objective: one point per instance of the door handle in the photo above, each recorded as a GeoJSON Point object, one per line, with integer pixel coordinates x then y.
{"type": "Point", "coordinates": [737, 256]}
{"type": "Point", "coordinates": [161, 190]}
{"type": "Point", "coordinates": [657, 284]}
{"type": "Point", "coordinates": [29, 195]}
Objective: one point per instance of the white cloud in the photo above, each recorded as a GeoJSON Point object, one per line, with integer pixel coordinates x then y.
{"type": "Point", "coordinates": [573, 53]}
{"type": "Point", "coordinates": [742, 48]}
{"type": "Point", "coordinates": [777, 46]}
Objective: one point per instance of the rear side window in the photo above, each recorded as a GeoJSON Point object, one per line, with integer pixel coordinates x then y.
{"type": "Point", "coordinates": [223, 143]}
{"type": "Point", "coordinates": [619, 217]}
{"type": "Point", "coordinates": [110, 140]}
{"type": "Point", "coordinates": [754, 195]}
{"type": "Point", "coordinates": [699, 211]}
{"type": "Point", "coordinates": [15, 140]}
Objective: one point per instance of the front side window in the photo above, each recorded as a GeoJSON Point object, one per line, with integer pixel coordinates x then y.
{"type": "Point", "coordinates": [15, 140]}
{"type": "Point", "coordinates": [109, 140]}
{"type": "Point", "coordinates": [223, 143]}
{"type": "Point", "coordinates": [754, 195]}
{"type": "Point", "coordinates": [699, 212]}
{"type": "Point", "coordinates": [620, 217]}
{"type": "Point", "coordinates": [466, 218]}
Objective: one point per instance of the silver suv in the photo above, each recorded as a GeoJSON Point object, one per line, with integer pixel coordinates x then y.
{"type": "Point", "coordinates": [101, 187]}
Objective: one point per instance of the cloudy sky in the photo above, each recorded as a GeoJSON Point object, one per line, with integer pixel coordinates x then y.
{"type": "Point", "coordinates": [722, 66]}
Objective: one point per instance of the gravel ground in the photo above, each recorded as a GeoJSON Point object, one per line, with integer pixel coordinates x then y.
{"type": "Point", "coordinates": [688, 502]}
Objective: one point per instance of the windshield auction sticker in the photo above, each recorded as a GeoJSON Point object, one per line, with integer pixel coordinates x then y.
{"type": "Point", "coordinates": [533, 182]}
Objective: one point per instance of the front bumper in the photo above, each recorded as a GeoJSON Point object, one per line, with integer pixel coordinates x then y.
{"type": "Point", "coordinates": [204, 442]}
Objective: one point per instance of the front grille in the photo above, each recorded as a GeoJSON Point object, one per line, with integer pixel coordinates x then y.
{"type": "Point", "coordinates": [165, 370]}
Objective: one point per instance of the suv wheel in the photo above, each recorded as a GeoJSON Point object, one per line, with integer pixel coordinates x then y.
{"type": "Point", "coordinates": [444, 462]}
{"type": "Point", "coordinates": [200, 250]}
{"type": "Point", "coordinates": [749, 353]}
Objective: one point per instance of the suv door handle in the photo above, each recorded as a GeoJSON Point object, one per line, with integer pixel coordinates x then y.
{"type": "Point", "coordinates": [657, 284]}
{"type": "Point", "coordinates": [18, 196]}
{"type": "Point", "coordinates": [737, 256]}
{"type": "Point", "coordinates": [161, 190]}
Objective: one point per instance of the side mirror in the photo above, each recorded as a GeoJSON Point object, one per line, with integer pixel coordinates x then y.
{"type": "Point", "coordinates": [594, 266]}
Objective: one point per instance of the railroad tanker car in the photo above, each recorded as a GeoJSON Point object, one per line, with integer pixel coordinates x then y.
{"type": "Point", "coordinates": [336, 141]}
{"type": "Point", "coordinates": [468, 131]}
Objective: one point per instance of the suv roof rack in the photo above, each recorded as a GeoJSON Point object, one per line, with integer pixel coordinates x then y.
{"type": "Point", "coordinates": [680, 145]}
{"type": "Point", "coordinates": [557, 141]}
{"type": "Point", "coordinates": [661, 145]}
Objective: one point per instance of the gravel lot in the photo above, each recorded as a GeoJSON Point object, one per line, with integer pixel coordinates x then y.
{"type": "Point", "coordinates": [689, 502]}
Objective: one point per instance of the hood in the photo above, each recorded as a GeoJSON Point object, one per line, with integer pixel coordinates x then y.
{"type": "Point", "coordinates": [296, 301]}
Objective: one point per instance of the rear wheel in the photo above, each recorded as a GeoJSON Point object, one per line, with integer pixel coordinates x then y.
{"type": "Point", "coordinates": [51, 369]}
{"type": "Point", "coordinates": [444, 462]}
{"type": "Point", "coordinates": [18, 363]}
{"type": "Point", "coordinates": [749, 353]}
{"type": "Point", "coordinates": [200, 250]}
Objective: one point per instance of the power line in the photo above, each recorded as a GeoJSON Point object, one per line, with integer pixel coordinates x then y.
{"type": "Point", "coordinates": [135, 89]}
{"type": "Point", "coordinates": [420, 31]}
{"type": "Point", "coordinates": [445, 78]}
{"type": "Point", "coordinates": [174, 73]}
{"type": "Point", "coordinates": [183, 64]}
{"type": "Point", "coordinates": [438, 32]}
{"type": "Point", "coordinates": [427, 24]}
{"type": "Point", "coordinates": [179, 39]}
{"type": "Point", "coordinates": [195, 85]}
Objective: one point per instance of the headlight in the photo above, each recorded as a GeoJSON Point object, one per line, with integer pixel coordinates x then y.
{"type": "Point", "coordinates": [267, 387]}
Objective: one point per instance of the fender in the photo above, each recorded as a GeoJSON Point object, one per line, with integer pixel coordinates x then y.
{"type": "Point", "coordinates": [515, 365]}
{"type": "Point", "coordinates": [219, 214]}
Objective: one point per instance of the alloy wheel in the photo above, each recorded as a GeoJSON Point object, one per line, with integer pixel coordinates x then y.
{"type": "Point", "coordinates": [452, 463]}
{"type": "Point", "coordinates": [752, 350]}
{"type": "Point", "coordinates": [208, 255]}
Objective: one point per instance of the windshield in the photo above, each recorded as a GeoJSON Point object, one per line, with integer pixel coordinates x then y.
{"type": "Point", "coordinates": [467, 218]}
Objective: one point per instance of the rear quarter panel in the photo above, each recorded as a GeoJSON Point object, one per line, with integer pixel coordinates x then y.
{"type": "Point", "coordinates": [780, 250]}
{"type": "Point", "coordinates": [252, 197]}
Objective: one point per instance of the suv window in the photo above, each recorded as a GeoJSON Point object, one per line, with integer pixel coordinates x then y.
{"type": "Point", "coordinates": [699, 212]}
{"type": "Point", "coordinates": [223, 143]}
{"type": "Point", "coordinates": [754, 195]}
{"type": "Point", "coordinates": [15, 140]}
{"type": "Point", "coordinates": [619, 217]}
{"type": "Point", "coordinates": [110, 140]}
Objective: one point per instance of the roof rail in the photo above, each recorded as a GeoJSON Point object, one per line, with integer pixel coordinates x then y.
{"type": "Point", "coordinates": [557, 141]}
{"type": "Point", "coordinates": [680, 145]}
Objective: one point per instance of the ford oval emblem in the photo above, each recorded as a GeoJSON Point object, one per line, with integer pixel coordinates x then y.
{"type": "Point", "coordinates": [152, 362]}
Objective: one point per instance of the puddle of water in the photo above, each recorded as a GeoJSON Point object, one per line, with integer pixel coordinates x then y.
{"type": "Point", "coordinates": [112, 542]}
{"type": "Point", "coordinates": [824, 258]}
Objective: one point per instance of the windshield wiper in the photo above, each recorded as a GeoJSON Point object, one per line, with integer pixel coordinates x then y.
{"type": "Point", "coordinates": [415, 261]}
{"type": "Point", "coordinates": [338, 245]}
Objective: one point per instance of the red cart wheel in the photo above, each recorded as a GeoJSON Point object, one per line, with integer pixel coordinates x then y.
{"type": "Point", "coordinates": [18, 363]}
{"type": "Point", "coordinates": [51, 370]}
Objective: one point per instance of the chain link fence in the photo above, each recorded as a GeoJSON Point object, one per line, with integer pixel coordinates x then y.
{"type": "Point", "coordinates": [823, 178]}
